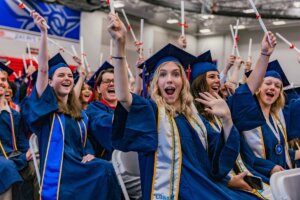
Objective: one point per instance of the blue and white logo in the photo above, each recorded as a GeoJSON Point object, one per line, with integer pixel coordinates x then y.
{"type": "Point", "coordinates": [63, 22]}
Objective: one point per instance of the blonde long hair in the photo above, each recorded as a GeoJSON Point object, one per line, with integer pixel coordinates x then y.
{"type": "Point", "coordinates": [278, 104]}
{"type": "Point", "coordinates": [185, 97]}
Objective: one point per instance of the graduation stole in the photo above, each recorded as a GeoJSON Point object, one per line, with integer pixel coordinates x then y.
{"type": "Point", "coordinates": [255, 138]}
{"type": "Point", "coordinates": [83, 124]}
{"type": "Point", "coordinates": [54, 159]}
{"type": "Point", "coordinates": [266, 193]}
{"type": "Point", "coordinates": [168, 156]}
{"type": "Point", "coordinates": [216, 124]}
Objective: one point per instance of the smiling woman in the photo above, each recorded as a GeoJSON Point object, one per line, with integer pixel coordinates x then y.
{"type": "Point", "coordinates": [66, 155]}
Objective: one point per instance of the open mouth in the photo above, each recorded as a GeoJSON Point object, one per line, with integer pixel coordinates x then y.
{"type": "Point", "coordinates": [111, 91]}
{"type": "Point", "coordinates": [270, 94]}
{"type": "Point", "coordinates": [170, 90]}
{"type": "Point", "coordinates": [66, 84]}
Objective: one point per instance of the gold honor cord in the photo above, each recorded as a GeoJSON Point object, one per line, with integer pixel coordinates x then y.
{"type": "Point", "coordinates": [3, 151]}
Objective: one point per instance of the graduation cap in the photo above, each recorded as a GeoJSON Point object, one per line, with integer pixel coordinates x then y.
{"type": "Point", "coordinates": [274, 70]}
{"type": "Point", "coordinates": [167, 54]}
{"type": "Point", "coordinates": [203, 64]}
{"type": "Point", "coordinates": [56, 62]}
{"type": "Point", "coordinates": [3, 67]}
{"type": "Point", "coordinates": [106, 65]}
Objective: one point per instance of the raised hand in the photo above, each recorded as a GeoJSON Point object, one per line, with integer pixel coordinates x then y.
{"type": "Point", "coordinates": [214, 105]}
{"type": "Point", "coordinates": [182, 43]}
{"type": "Point", "coordinates": [267, 48]}
{"type": "Point", "coordinates": [116, 28]}
{"type": "Point", "coordinates": [38, 20]}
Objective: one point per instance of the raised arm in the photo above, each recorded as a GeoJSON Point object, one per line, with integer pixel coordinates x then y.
{"type": "Point", "coordinates": [82, 77]}
{"type": "Point", "coordinates": [257, 75]}
{"type": "Point", "coordinates": [42, 77]}
{"type": "Point", "coordinates": [236, 71]}
{"type": "Point", "coordinates": [138, 80]}
{"type": "Point", "coordinates": [117, 31]}
{"type": "Point", "coordinates": [224, 72]}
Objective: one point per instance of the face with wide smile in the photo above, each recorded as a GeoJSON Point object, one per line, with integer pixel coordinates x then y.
{"type": "Point", "coordinates": [213, 81]}
{"type": "Point", "coordinates": [62, 81]}
{"type": "Point", "coordinates": [86, 93]}
{"type": "Point", "coordinates": [107, 88]}
{"type": "Point", "coordinates": [270, 90]}
{"type": "Point", "coordinates": [170, 82]}
{"type": "Point", "coordinates": [3, 83]}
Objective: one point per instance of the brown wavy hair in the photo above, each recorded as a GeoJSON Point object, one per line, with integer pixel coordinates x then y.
{"type": "Point", "coordinates": [199, 85]}
{"type": "Point", "coordinates": [186, 99]}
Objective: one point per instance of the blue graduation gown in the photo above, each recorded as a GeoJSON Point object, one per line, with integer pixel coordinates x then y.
{"type": "Point", "coordinates": [245, 110]}
{"type": "Point", "coordinates": [92, 180]}
{"type": "Point", "coordinates": [200, 169]}
{"type": "Point", "coordinates": [100, 128]}
{"type": "Point", "coordinates": [9, 168]}
{"type": "Point", "coordinates": [247, 114]}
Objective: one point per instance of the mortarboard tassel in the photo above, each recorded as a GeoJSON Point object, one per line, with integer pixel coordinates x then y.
{"type": "Point", "coordinates": [189, 72]}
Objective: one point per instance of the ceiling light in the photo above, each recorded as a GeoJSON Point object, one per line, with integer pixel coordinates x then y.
{"type": "Point", "coordinates": [248, 11]}
{"type": "Point", "coordinates": [297, 4]}
{"type": "Point", "coordinates": [206, 30]}
{"type": "Point", "coordinates": [240, 27]}
{"type": "Point", "coordinates": [172, 21]}
{"type": "Point", "coordinates": [278, 23]}
{"type": "Point", "coordinates": [119, 4]}
{"type": "Point", "coordinates": [207, 16]}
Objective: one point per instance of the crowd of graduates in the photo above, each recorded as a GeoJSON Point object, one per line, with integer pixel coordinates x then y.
{"type": "Point", "coordinates": [199, 133]}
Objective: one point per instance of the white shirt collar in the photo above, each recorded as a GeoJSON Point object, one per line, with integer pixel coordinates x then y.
{"type": "Point", "coordinates": [5, 108]}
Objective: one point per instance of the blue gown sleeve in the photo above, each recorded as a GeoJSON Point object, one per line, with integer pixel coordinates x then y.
{"type": "Point", "coordinates": [292, 118]}
{"type": "Point", "coordinates": [223, 154]}
{"type": "Point", "coordinates": [245, 110]}
{"type": "Point", "coordinates": [37, 110]}
{"type": "Point", "coordinates": [100, 125]}
{"type": "Point", "coordinates": [135, 130]}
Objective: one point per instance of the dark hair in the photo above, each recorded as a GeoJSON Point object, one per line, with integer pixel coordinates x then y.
{"type": "Point", "coordinates": [97, 96]}
{"type": "Point", "coordinates": [199, 85]}
{"type": "Point", "coordinates": [13, 87]}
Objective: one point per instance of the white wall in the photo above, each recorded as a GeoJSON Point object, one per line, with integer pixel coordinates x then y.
{"type": "Point", "coordinates": [286, 57]}
{"type": "Point", "coordinates": [93, 29]}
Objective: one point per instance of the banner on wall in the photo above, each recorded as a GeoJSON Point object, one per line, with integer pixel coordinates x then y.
{"type": "Point", "coordinates": [63, 21]}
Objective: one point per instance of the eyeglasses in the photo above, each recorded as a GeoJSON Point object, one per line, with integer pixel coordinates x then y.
{"type": "Point", "coordinates": [107, 81]}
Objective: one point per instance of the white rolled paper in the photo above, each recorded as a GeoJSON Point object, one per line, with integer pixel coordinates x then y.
{"type": "Point", "coordinates": [182, 18]}
{"type": "Point", "coordinates": [292, 46]}
{"type": "Point", "coordinates": [263, 26]}
{"type": "Point", "coordinates": [29, 10]}
{"type": "Point", "coordinates": [74, 51]}
{"type": "Point", "coordinates": [234, 47]}
{"type": "Point", "coordinates": [111, 5]}
{"type": "Point", "coordinates": [60, 47]}
{"type": "Point", "coordinates": [29, 53]}
{"type": "Point", "coordinates": [111, 47]}
{"type": "Point", "coordinates": [129, 26]}
{"type": "Point", "coordinates": [101, 58]}
{"type": "Point", "coordinates": [142, 37]}
{"type": "Point", "coordinates": [250, 48]}
{"type": "Point", "coordinates": [24, 63]}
